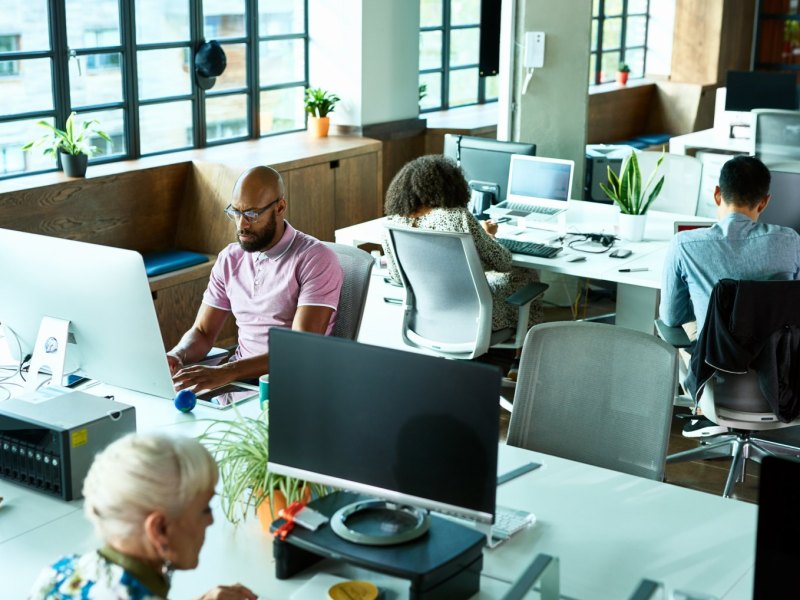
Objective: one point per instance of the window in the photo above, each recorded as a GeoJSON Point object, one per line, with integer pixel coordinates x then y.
{"type": "Point", "coordinates": [9, 43]}
{"type": "Point", "coordinates": [130, 66]}
{"type": "Point", "coordinates": [448, 55]}
{"type": "Point", "coordinates": [619, 35]}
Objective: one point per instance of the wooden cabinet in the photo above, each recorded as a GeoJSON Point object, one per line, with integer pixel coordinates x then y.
{"type": "Point", "coordinates": [335, 194]}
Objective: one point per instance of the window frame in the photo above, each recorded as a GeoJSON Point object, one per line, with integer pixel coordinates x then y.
{"type": "Point", "coordinates": [60, 54]}
{"type": "Point", "coordinates": [599, 49]}
{"type": "Point", "coordinates": [446, 69]}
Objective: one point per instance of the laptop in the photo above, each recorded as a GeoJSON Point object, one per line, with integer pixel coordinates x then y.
{"type": "Point", "coordinates": [537, 186]}
{"type": "Point", "coordinates": [680, 226]}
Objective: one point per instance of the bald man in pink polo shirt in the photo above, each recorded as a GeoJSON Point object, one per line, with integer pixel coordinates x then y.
{"type": "Point", "coordinates": [275, 276]}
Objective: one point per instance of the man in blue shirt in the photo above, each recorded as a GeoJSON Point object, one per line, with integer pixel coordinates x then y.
{"type": "Point", "coordinates": [736, 247]}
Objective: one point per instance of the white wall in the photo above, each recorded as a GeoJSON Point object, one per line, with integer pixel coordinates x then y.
{"type": "Point", "coordinates": [552, 113]}
{"type": "Point", "coordinates": [367, 52]}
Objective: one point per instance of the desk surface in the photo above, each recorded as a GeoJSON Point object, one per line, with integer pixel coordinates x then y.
{"type": "Point", "coordinates": [709, 139]}
{"type": "Point", "coordinates": [609, 529]}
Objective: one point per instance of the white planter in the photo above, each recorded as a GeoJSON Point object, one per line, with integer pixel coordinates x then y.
{"type": "Point", "coordinates": [631, 227]}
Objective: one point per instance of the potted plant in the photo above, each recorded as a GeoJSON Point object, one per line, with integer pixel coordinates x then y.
{"type": "Point", "coordinates": [70, 145]}
{"type": "Point", "coordinates": [633, 199]}
{"type": "Point", "coordinates": [622, 73]}
{"type": "Point", "coordinates": [318, 104]}
{"type": "Point", "coordinates": [241, 449]}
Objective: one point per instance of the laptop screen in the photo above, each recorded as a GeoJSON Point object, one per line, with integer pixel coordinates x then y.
{"type": "Point", "coordinates": [538, 178]}
{"type": "Point", "coordinates": [689, 225]}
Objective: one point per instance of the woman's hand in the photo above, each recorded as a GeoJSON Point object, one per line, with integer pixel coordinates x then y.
{"type": "Point", "coordinates": [229, 592]}
{"type": "Point", "coordinates": [489, 227]}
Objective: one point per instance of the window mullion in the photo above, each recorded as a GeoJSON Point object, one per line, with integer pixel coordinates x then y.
{"type": "Point", "coordinates": [130, 77]}
{"type": "Point", "coordinates": [60, 61]}
{"type": "Point", "coordinates": [253, 57]}
{"type": "Point", "coordinates": [196, 36]}
{"type": "Point", "coordinates": [445, 100]}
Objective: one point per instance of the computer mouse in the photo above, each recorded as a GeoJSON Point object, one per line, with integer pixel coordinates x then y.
{"type": "Point", "coordinates": [620, 253]}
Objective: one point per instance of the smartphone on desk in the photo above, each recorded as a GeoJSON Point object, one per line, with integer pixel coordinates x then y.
{"type": "Point", "coordinates": [227, 395]}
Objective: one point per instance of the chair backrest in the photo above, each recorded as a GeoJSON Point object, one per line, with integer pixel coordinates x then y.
{"type": "Point", "coordinates": [599, 394]}
{"type": "Point", "coordinates": [682, 178]}
{"type": "Point", "coordinates": [776, 135]}
{"type": "Point", "coordinates": [744, 364]}
{"type": "Point", "coordinates": [357, 267]}
{"type": "Point", "coordinates": [448, 305]}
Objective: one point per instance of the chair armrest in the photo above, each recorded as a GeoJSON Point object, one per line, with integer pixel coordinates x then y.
{"type": "Point", "coordinates": [674, 336]}
{"type": "Point", "coordinates": [527, 294]}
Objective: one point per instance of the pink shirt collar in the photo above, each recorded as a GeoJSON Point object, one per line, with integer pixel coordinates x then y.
{"type": "Point", "coordinates": [283, 245]}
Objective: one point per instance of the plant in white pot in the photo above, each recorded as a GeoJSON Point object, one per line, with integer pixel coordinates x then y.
{"type": "Point", "coordinates": [319, 104]}
{"type": "Point", "coordinates": [71, 144]}
{"type": "Point", "coordinates": [633, 199]}
{"type": "Point", "coordinates": [241, 448]}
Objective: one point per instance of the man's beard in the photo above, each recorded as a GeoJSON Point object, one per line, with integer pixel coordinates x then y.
{"type": "Point", "coordinates": [261, 240]}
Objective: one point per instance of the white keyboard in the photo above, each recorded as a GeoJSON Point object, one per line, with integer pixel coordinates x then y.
{"type": "Point", "coordinates": [508, 521]}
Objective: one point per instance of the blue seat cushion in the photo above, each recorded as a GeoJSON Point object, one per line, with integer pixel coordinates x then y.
{"type": "Point", "coordinates": [654, 139]}
{"type": "Point", "coordinates": [158, 263]}
{"type": "Point", "coordinates": [635, 142]}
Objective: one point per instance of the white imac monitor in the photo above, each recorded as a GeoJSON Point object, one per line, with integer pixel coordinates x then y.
{"type": "Point", "coordinates": [405, 427]}
{"type": "Point", "coordinates": [104, 294]}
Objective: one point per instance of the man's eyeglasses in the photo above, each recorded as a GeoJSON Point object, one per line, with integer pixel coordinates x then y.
{"type": "Point", "coordinates": [251, 215]}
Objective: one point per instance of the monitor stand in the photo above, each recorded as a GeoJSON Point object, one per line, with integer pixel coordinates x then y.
{"type": "Point", "coordinates": [49, 352]}
{"type": "Point", "coordinates": [379, 523]}
{"type": "Point", "coordinates": [443, 564]}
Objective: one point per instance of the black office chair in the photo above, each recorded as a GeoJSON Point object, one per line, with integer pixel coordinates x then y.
{"type": "Point", "coordinates": [734, 367]}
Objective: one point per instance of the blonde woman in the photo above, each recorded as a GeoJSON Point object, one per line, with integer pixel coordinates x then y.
{"type": "Point", "coordinates": [148, 498]}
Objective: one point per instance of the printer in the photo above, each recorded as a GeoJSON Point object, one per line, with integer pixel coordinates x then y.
{"type": "Point", "coordinates": [598, 158]}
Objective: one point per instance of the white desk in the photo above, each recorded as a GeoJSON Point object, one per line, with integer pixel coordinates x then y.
{"type": "Point", "coordinates": [714, 140]}
{"type": "Point", "coordinates": [608, 529]}
{"type": "Point", "coordinates": [637, 292]}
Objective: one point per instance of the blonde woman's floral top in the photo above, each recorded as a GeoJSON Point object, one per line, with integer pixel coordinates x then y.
{"type": "Point", "coordinates": [91, 576]}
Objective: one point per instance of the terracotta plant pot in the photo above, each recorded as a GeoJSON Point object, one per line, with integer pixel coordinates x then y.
{"type": "Point", "coordinates": [622, 77]}
{"type": "Point", "coordinates": [265, 513]}
{"type": "Point", "coordinates": [319, 126]}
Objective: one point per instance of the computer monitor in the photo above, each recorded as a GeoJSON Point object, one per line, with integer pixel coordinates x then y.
{"type": "Point", "coordinates": [784, 205]}
{"type": "Point", "coordinates": [777, 551]}
{"type": "Point", "coordinates": [486, 163]}
{"type": "Point", "coordinates": [406, 427]}
{"type": "Point", "coordinates": [104, 294]}
{"type": "Point", "coordinates": [747, 90]}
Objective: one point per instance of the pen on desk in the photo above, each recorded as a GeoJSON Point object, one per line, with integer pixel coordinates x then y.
{"type": "Point", "coordinates": [633, 270]}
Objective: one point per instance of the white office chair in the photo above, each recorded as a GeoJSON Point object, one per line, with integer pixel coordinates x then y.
{"type": "Point", "coordinates": [448, 305]}
{"type": "Point", "coordinates": [776, 135]}
{"type": "Point", "coordinates": [682, 177]}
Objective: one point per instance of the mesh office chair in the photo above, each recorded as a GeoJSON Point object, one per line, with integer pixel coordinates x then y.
{"type": "Point", "coordinates": [776, 135]}
{"type": "Point", "coordinates": [595, 393]}
{"type": "Point", "coordinates": [448, 305]}
{"type": "Point", "coordinates": [357, 267]}
{"type": "Point", "coordinates": [682, 177]}
{"type": "Point", "coordinates": [735, 401]}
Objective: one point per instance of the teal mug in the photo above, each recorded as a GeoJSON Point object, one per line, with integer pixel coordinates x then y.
{"type": "Point", "coordinates": [263, 390]}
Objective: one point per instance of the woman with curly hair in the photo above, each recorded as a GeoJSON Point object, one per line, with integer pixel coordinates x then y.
{"type": "Point", "coordinates": [431, 192]}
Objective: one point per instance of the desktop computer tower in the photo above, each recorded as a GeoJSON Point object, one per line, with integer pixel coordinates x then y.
{"type": "Point", "coordinates": [599, 157]}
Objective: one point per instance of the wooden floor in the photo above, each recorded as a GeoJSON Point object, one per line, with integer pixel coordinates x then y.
{"type": "Point", "coordinates": [703, 475]}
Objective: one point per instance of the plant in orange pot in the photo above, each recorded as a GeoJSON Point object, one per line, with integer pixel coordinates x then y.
{"type": "Point", "coordinates": [319, 104]}
{"type": "Point", "coordinates": [241, 448]}
{"type": "Point", "coordinates": [622, 73]}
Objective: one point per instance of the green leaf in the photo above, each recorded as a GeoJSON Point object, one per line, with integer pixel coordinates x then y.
{"type": "Point", "coordinates": [654, 194]}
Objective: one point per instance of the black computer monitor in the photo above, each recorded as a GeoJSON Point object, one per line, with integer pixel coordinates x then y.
{"type": "Point", "coordinates": [777, 550]}
{"type": "Point", "coordinates": [747, 90]}
{"type": "Point", "coordinates": [784, 205]}
{"type": "Point", "coordinates": [485, 163]}
{"type": "Point", "coordinates": [405, 427]}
